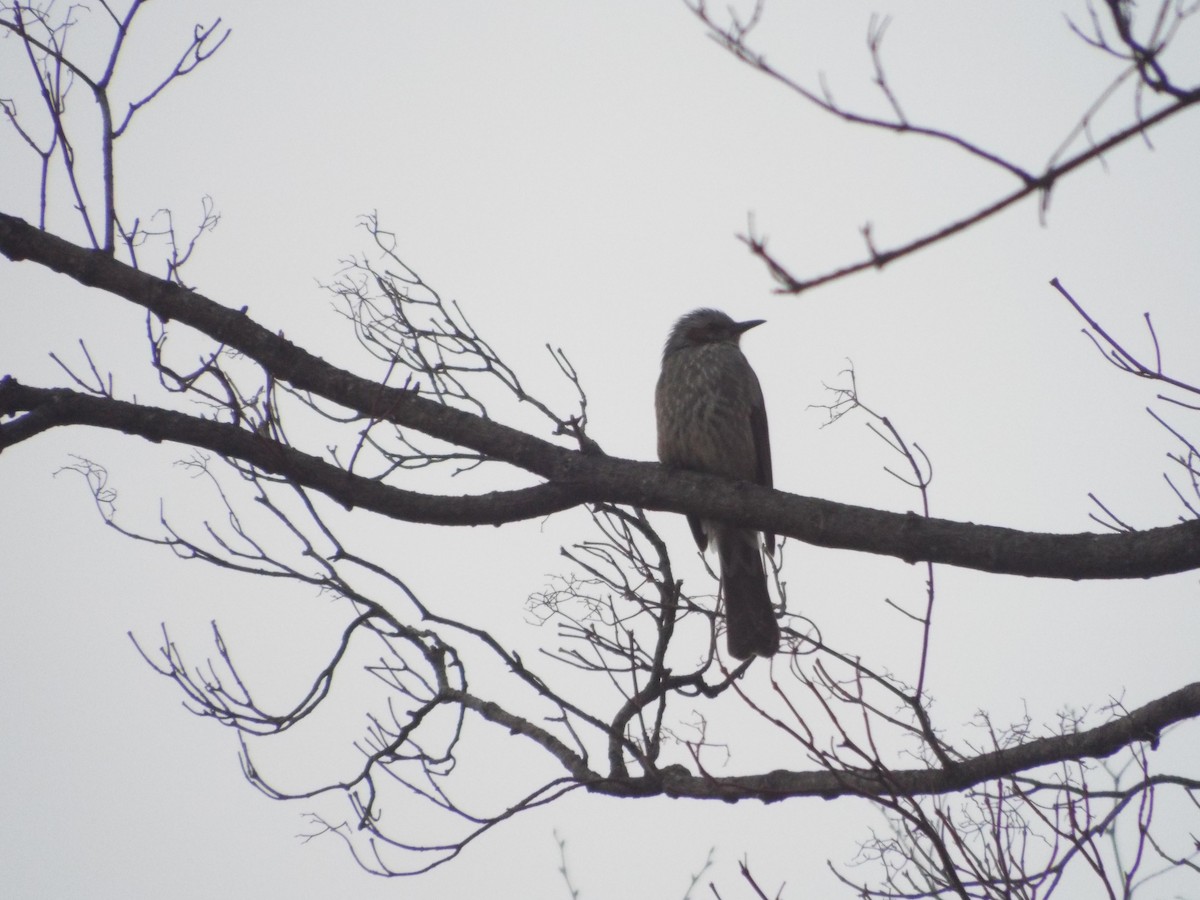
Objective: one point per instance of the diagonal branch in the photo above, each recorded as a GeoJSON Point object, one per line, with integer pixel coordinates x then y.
{"type": "Point", "coordinates": [734, 38]}
{"type": "Point", "coordinates": [1145, 724]}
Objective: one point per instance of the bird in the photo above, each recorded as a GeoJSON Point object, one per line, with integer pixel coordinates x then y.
{"type": "Point", "coordinates": [711, 418]}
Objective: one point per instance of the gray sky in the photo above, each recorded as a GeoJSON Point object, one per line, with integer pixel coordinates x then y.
{"type": "Point", "coordinates": [575, 174]}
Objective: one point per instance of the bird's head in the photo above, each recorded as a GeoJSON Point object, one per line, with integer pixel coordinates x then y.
{"type": "Point", "coordinates": [706, 326]}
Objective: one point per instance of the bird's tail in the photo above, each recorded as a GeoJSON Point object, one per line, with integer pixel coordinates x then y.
{"type": "Point", "coordinates": [751, 626]}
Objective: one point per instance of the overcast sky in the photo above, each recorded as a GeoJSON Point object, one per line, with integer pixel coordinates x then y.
{"type": "Point", "coordinates": [575, 174]}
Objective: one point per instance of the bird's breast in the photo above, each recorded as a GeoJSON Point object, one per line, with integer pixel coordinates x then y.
{"type": "Point", "coordinates": [703, 403]}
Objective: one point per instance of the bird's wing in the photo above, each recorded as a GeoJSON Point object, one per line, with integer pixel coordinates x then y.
{"type": "Point", "coordinates": [762, 450]}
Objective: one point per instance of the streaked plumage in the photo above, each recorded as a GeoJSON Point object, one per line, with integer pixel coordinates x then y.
{"type": "Point", "coordinates": [712, 418]}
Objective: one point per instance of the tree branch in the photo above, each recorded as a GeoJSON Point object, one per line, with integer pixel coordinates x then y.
{"type": "Point", "coordinates": [577, 478]}
{"type": "Point", "coordinates": [1143, 724]}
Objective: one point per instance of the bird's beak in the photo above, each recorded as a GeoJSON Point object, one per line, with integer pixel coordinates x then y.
{"type": "Point", "coordinates": [743, 327]}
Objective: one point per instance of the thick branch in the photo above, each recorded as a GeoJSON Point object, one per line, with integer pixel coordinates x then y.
{"type": "Point", "coordinates": [1144, 724]}
{"type": "Point", "coordinates": [45, 408]}
{"type": "Point", "coordinates": [284, 360]}
{"type": "Point", "coordinates": [580, 478]}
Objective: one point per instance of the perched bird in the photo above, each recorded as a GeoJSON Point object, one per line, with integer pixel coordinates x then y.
{"type": "Point", "coordinates": [711, 418]}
